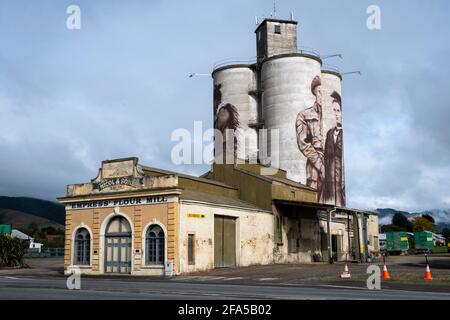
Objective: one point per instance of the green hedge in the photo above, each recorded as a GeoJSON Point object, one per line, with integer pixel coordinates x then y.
{"type": "Point", "coordinates": [12, 251]}
{"type": "Point", "coordinates": [443, 249]}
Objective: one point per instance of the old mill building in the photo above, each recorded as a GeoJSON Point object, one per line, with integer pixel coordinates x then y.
{"type": "Point", "coordinates": [140, 220]}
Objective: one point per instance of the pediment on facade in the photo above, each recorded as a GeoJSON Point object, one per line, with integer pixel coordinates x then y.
{"type": "Point", "coordinates": [122, 175]}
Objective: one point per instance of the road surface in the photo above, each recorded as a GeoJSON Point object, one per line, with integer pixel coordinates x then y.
{"type": "Point", "coordinates": [54, 288]}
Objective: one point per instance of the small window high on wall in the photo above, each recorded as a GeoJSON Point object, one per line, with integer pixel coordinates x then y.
{"type": "Point", "coordinates": [277, 29]}
{"type": "Point", "coordinates": [191, 249]}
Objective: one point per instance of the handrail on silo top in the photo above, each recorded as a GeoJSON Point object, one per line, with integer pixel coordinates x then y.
{"type": "Point", "coordinates": [329, 67]}
{"type": "Point", "coordinates": [308, 50]}
{"type": "Point", "coordinates": [231, 61]}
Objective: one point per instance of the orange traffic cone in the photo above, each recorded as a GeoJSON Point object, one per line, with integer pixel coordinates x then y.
{"type": "Point", "coordinates": [346, 273]}
{"type": "Point", "coordinates": [427, 273]}
{"type": "Point", "coordinates": [385, 272]}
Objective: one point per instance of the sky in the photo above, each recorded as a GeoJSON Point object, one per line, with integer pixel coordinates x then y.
{"type": "Point", "coordinates": [119, 86]}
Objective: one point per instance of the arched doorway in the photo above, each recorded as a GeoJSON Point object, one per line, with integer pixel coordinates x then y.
{"type": "Point", "coordinates": [118, 246]}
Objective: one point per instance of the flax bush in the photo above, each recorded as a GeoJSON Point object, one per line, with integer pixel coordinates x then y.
{"type": "Point", "coordinates": [12, 251]}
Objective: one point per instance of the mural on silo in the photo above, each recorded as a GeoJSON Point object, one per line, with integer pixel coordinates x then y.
{"type": "Point", "coordinates": [217, 97]}
{"type": "Point", "coordinates": [226, 119]}
{"type": "Point", "coordinates": [334, 184]}
{"type": "Point", "coordinates": [310, 139]}
{"type": "Point", "coordinates": [324, 157]}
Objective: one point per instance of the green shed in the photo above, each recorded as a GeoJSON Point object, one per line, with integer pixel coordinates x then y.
{"type": "Point", "coordinates": [397, 241]}
{"type": "Point", "coordinates": [423, 240]}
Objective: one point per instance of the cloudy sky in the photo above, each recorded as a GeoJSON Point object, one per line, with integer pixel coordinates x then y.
{"type": "Point", "coordinates": [119, 86]}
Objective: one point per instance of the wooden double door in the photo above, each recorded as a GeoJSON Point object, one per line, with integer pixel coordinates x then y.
{"type": "Point", "coordinates": [224, 241]}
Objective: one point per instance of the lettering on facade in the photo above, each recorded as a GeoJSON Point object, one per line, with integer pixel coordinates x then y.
{"type": "Point", "coordinates": [120, 202]}
{"type": "Point", "coordinates": [124, 181]}
{"type": "Point", "coordinates": [196, 215]}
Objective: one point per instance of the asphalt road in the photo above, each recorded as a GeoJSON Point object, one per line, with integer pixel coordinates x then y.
{"type": "Point", "coordinates": [54, 288]}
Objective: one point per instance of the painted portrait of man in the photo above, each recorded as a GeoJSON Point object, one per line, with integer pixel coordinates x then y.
{"type": "Point", "coordinates": [310, 140]}
{"type": "Point", "coordinates": [334, 184]}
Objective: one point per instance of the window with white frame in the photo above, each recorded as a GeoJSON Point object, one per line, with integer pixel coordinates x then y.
{"type": "Point", "coordinates": [155, 245]}
{"type": "Point", "coordinates": [82, 247]}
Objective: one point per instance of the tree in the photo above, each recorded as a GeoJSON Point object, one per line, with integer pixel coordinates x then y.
{"type": "Point", "coordinates": [49, 230]}
{"type": "Point", "coordinates": [33, 228]}
{"type": "Point", "coordinates": [428, 217]}
{"type": "Point", "coordinates": [390, 228]}
{"type": "Point", "coordinates": [423, 224]}
{"type": "Point", "coordinates": [446, 233]}
{"type": "Point", "coordinates": [402, 222]}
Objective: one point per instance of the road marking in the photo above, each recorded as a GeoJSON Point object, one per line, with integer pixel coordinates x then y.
{"type": "Point", "coordinates": [235, 278]}
{"type": "Point", "coordinates": [207, 278]}
{"type": "Point", "coordinates": [268, 279]}
{"type": "Point", "coordinates": [12, 278]}
{"type": "Point", "coordinates": [341, 287]}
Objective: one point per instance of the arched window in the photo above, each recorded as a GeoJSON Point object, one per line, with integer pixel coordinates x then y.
{"type": "Point", "coordinates": [82, 247]}
{"type": "Point", "coordinates": [155, 245]}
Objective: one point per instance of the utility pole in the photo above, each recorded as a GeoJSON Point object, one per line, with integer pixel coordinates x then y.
{"type": "Point", "coordinates": [330, 249]}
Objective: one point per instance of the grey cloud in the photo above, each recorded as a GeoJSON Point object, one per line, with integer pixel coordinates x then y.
{"type": "Point", "coordinates": [119, 87]}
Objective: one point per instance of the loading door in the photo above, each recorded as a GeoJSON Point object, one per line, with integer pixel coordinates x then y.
{"type": "Point", "coordinates": [224, 241]}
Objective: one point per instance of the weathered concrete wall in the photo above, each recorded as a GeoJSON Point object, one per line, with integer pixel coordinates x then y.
{"type": "Point", "coordinates": [208, 187]}
{"type": "Point", "coordinates": [254, 235]}
{"type": "Point", "coordinates": [293, 194]}
{"type": "Point", "coordinates": [252, 188]}
{"type": "Point", "coordinates": [373, 233]}
{"type": "Point", "coordinates": [303, 228]}
{"type": "Point", "coordinates": [338, 229]}
{"type": "Point", "coordinates": [269, 43]}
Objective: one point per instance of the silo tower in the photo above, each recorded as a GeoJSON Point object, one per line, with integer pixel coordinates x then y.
{"type": "Point", "coordinates": [285, 89]}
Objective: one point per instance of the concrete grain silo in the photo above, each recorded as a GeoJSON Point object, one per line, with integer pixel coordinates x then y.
{"type": "Point", "coordinates": [287, 92]}
{"type": "Point", "coordinates": [286, 84]}
{"type": "Point", "coordinates": [332, 127]}
{"type": "Point", "coordinates": [233, 87]}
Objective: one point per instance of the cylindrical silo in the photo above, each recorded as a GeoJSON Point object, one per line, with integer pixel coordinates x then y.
{"type": "Point", "coordinates": [334, 178]}
{"type": "Point", "coordinates": [289, 105]}
{"type": "Point", "coordinates": [234, 88]}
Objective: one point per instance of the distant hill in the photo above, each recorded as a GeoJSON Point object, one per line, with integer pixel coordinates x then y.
{"type": "Point", "coordinates": [27, 208]}
{"type": "Point", "coordinates": [442, 217]}
{"type": "Point", "coordinates": [20, 220]}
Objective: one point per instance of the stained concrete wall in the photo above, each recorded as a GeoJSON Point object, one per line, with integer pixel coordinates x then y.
{"type": "Point", "coordinates": [269, 43]}
{"type": "Point", "coordinates": [254, 235]}
{"type": "Point", "coordinates": [373, 233]}
{"type": "Point", "coordinates": [338, 229]}
{"type": "Point", "coordinates": [303, 227]}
